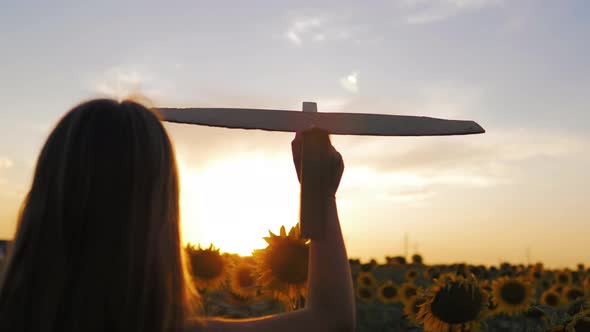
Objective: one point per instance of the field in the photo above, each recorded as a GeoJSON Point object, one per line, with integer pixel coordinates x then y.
{"type": "Point", "coordinates": [397, 295]}
{"type": "Point", "coordinates": [400, 296]}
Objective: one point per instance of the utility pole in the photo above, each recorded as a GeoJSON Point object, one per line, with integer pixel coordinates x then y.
{"type": "Point", "coordinates": [406, 244]}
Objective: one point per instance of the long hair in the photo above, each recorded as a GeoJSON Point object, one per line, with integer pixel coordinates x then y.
{"type": "Point", "coordinates": [98, 241]}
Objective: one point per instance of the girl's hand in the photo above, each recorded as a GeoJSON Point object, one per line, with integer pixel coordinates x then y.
{"type": "Point", "coordinates": [317, 150]}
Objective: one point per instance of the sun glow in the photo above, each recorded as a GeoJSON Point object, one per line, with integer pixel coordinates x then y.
{"type": "Point", "coordinates": [232, 203]}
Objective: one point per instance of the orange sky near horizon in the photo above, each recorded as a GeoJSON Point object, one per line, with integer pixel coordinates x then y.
{"type": "Point", "coordinates": [238, 188]}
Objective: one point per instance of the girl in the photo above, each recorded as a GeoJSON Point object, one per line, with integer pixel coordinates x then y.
{"type": "Point", "coordinates": [98, 241]}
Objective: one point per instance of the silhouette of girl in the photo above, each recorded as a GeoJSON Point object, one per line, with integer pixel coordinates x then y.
{"type": "Point", "coordinates": [98, 241]}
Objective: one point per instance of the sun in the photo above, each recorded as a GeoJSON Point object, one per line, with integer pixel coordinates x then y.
{"type": "Point", "coordinates": [232, 202]}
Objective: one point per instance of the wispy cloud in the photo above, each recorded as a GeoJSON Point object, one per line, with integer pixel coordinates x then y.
{"type": "Point", "coordinates": [124, 81]}
{"type": "Point", "coordinates": [6, 163]}
{"type": "Point", "coordinates": [481, 152]}
{"type": "Point", "coordinates": [350, 82]}
{"type": "Point", "coordinates": [318, 29]}
{"type": "Point", "coordinates": [332, 104]}
{"type": "Point", "coordinates": [430, 11]}
{"type": "Point", "coordinates": [120, 82]}
{"type": "Point", "coordinates": [428, 163]}
{"type": "Point", "coordinates": [405, 185]}
{"type": "Point", "coordinates": [402, 169]}
{"type": "Point", "coordinates": [303, 28]}
{"type": "Point", "coordinates": [442, 99]}
{"type": "Point", "coordinates": [408, 195]}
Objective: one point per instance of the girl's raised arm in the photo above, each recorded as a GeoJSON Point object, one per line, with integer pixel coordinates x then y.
{"type": "Point", "coordinates": [330, 302]}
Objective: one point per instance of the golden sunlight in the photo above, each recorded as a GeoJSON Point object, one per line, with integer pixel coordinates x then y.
{"type": "Point", "coordinates": [232, 203]}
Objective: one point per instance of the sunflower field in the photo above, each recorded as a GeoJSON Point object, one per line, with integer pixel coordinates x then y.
{"type": "Point", "coordinates": [398, 295]}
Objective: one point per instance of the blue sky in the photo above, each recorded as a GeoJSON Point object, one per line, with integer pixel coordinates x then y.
{"type": "Point", "coordinates": [520, 68]}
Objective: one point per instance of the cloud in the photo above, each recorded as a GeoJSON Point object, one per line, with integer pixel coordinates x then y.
{"type": "Point", "coordinates": [318, 37]}
{"type": "Point", "coordinates": [124, 81]}
{"type": "Point", "coordinates": [447, 153]}
{"type": "Point", "coordinates": [350, 82]}
{"type": "Point", "coordinates": [417, 168]}
{"type": "Point", "coordinates": [293, 37]}
{"type": "Point", "coordinates": [303, 27]}
{"type": "Point", "coordinates": [6, 163]}
{"type": "Point", "coordinates": [431, 11]}
{"type": "Point", "coordinates": [396, 169]}
{"type": "Point", "coordinates": [319, 29]}
{"type": "Point", "coordinates": [454, 100]}
{"type": "Point", "coordinates": [120, 82]}
{"type": "Point", "coordinates": [332, 104]}
{"type": "Point", "coordinates": [406, 195]}
{"type": "Point", "coordinates": [403, 185]}
{"type": "Point", "coordinates": [441, 99]}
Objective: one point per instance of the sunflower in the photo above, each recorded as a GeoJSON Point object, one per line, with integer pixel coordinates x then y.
{"type": "Point", "coordinates": [576, 277]}
{"type": "Point", "coordinates": [388, 292]}
{"type": "Point", "coordinates": [563, 278]}
{"type": "Point", "coordinates": [536, 274]}
{"type": "Point", "coordinates": [243, 280]}
{"type": "Point", "coordinates": [411, 275]}
{"type": "Point", "coordinates": [397, 260]}
{"type": "Point", "coordinates": [512, 295]}
{"type": "Point", "coordinates": [461, 270]}
{"type": "Point", "coordinates": [486, 285]}
{"type": "Point", "coordinates": [367, 267]}
{"type": "Point", "coordinates": [476, 271]}
{"type": "Point", "coordinates": [492, 307]}
{"type": "Point", "coordinates": [431, 273]}
{"type": "Point", "coordinates": [208, 267]}
{"type": "Point", "coordinates": [578, 323]}
{"type": "Point", "coordinates": [354, 262]}
{"type": "Point", "coordinates": [407, 292]}
{"type": "Point", "coordinates": [545, 285]}
{"type": "Point", "coordinates": [572, 293]}
{"type": "Point", "coordinates": [365, 294]}
{"type": "Point", "coordinates": [412, 308]}
{"type": "Point", "coordinates": [365, 279]}
{"type": "Point", "coordinates": [507, 273]}
{"type": "Point", "coordinates": [453, 303]}
{"type": "Point", "coordinates": [282, 265]}
{"type": "Point", "coordinates": [551, 298]}
{"type": "Point", "coordinates": [417, 259]}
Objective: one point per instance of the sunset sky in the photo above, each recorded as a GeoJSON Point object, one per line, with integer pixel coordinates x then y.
{"type": "Point", "coordinates": [521, 68]}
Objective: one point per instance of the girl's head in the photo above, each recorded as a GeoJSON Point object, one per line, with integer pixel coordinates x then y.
{"type": "Point", "coordinates": [98, 240]}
